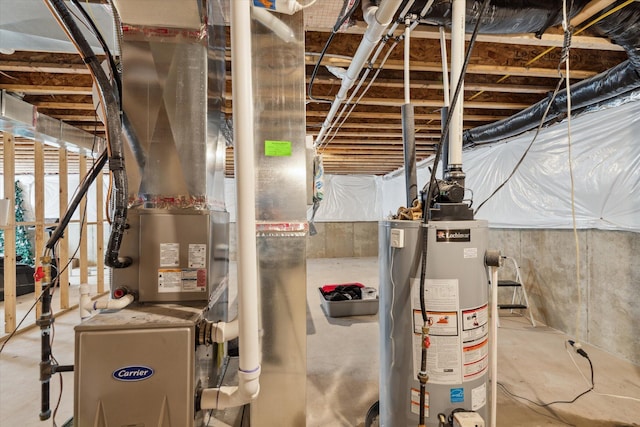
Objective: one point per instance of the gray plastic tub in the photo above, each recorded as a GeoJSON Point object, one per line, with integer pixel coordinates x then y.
{"type": "Point", "coordinates": [358, 307]}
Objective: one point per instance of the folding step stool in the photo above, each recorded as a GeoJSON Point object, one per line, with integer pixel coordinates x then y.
{"type": "Point", "coordinates": [519, 300]}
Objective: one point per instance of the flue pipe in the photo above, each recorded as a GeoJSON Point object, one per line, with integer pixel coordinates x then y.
{"type": "Point", "coordinates": [457, 61]}
{"type": "Point", "coordinates": [378, 19]}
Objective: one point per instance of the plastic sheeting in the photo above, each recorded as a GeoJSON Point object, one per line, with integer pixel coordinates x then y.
{"type": "Point", "coordinates": [606, 159]}
{"type": "Point", "coordinates": [606, 168]}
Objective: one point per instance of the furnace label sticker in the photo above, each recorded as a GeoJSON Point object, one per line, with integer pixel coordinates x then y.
{"type": "Point", "coordinates": [415, 402]}
{"type": "Point", "coordinates": [194, 280]}
{"type": "Point", "coordinates": [169, 254]}
{"type": "Point", "coordinates": [169, 280]}
{"type": "Point", "coordinates": [197, 255]}
{"type": "Point", "coordinates": [475, 323]}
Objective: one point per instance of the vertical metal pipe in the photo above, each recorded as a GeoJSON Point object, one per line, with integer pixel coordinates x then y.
{"type": "Point", "coordinates": [457, 61]}
{"type": "Point", "coordinates": [409, 125]}
{"type": "Point", "coordinates": [447, 102]}
{"type": "Point", "coordinates": [409, 145]}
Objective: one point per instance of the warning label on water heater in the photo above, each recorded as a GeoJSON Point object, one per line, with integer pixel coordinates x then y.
{"type": "Point", "coordinates": [444, 356]}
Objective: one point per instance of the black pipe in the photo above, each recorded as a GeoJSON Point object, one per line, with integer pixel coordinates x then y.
{"type": "Point", "coordinates": [111, 103]}
{"type": "Point", "coordinates": [504, 16]}
{"type": "Point", "coordinates": [44, 322]}
{"type": "Point", "coordinates": [82, 191]}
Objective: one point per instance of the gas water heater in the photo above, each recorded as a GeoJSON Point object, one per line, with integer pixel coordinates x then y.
{"type": "Point", "coordinates": [456, 300]}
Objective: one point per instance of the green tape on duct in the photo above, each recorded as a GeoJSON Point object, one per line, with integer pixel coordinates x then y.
{"type": "Point", "coordinates": [277, 148]}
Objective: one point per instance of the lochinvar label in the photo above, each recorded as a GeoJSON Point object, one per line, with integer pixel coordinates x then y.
{"type": "Point", "coordinates": [461, 235]}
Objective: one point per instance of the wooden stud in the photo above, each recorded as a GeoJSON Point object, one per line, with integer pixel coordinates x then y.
{"type": "Point", "coordinates": [9, 236]}
{"type": "Point", "coordinates": [63, 243]}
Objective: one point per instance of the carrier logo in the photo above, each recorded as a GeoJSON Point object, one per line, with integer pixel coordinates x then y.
{"type": "Point", "coordinates": [133, 373]}
{"type": "Point", "coordinates": [463, 235]}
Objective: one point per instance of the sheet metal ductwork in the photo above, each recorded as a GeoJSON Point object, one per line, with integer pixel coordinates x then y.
{"type": "Point", "coordinates": [510, 17]}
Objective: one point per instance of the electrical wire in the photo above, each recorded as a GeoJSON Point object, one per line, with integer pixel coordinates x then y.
{"type": "Point", "coordinates": [563, 79]}
{"type": "Point", "coordinates": [555, 402]}
{"type": "Point", "coordinates": [105, 47]}
{"type": "Point", "coordinates": [565, 57]}
{"type": "Point", "coordinates": [526, 151]}
{"type": "Point", "coordinates": [340, 21]}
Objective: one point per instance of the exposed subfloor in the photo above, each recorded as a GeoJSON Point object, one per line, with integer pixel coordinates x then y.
{"type": "Point", "coordinates": [342, 366]}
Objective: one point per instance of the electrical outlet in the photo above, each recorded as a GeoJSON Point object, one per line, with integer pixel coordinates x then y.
{"type": "Point", "coordinates": [397, 238]}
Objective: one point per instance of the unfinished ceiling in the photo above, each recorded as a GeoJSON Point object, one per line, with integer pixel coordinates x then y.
{"type": "Point", "coordinates": [506, 74]}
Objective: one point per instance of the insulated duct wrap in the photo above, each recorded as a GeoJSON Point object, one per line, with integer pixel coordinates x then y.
{"type": "Point", "coordinates": [611, 83]}
{"type": "Point", "coordinates": [503, 16]}
{"type": "Point", "coordinates": [511, 17]}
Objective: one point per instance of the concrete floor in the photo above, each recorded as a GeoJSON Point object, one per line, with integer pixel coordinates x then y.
{"type": "Point", "coordinates": [342, 355]}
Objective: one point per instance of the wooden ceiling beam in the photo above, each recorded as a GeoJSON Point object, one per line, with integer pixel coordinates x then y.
{"type": "Point", "coordinates": [418, 117]}
{"type": "Point", "coordinates": [43, 67]}
{"type": "Point", "coordinates": [423, 84]}
{"type": "Point", "coordinates": [547, 40]}
{"type": "Point", "coordinates": [46, 90]}
{"type": "Point", "coordinates": [495, 70]}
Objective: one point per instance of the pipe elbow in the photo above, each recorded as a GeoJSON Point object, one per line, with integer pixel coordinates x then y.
{"type": "Point", "coordinates": [222, 332]}
{"type": "Point", "coordinates": [369, 15]}
{"type": "Point", "coordinates": [85, 302]}
{"type": "Point", "coordinates": [224, 397]}
{"type": "Point", "coordinates": [114, 304]}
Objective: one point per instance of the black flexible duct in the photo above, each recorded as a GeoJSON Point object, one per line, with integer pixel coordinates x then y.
{"type": "Point", "coordinates": [111, 103]}
{"type": "Point", "coordinates": [504, 16]}
{"type": "Point", "coordinates": [517, 16]}
{"type": "Point", "coordinates": [616, 81]}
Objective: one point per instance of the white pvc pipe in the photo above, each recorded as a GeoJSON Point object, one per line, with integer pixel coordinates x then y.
{"type": "Point", "coordinates": [407, 64]}
{"type": "Point", "coordinates": [445, 67]}
{"type": "Point", "coordinates": [85, 302]}
{"type": "Point", "coordinates": [494, 345]}
{"type": "Point", "coordinates": [222, 332]}
{"type": "Point", "coordinates": [87, 306]}
{"type": "Point", "coordinates": [243, 129]}
{"type": "Point", "coordinates": [378, 20]}
{"type": "Point", "coordinates": [114, 304]}
{"type": "Point", "coordinates": [457, 60]}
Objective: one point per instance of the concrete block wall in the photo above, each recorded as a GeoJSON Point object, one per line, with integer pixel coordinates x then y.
{"type": "Point", "coordinates": [605, 313]}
